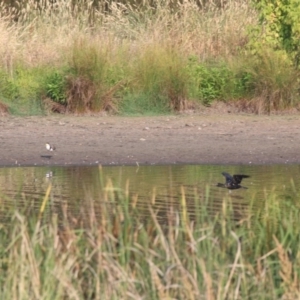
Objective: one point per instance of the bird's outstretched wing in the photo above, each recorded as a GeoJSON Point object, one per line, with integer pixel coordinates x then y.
{"type": "Point", "coordinates": [238, 178]}
{"type": "Point", "coordinates": [228, 177]}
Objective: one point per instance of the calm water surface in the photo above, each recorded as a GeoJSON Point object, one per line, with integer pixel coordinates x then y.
{"type": "Point", "coordinates": [77, 188]}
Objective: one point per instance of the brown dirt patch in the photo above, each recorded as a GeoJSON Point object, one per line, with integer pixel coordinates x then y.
{"type": "Point", "coordinates": [202, 138]}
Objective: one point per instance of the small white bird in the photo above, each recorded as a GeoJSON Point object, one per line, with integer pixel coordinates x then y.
{"type": "Point", "coordinates": [50, 147]}
{"type": "Point", "coordinates": [49, 174]}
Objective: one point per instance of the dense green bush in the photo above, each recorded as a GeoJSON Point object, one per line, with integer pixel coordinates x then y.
{"type": "Point", "coordinates": [8, 88]}
{"type": "Point", "coordinates": [218, 82]}
{"type": "Point", "coordinates": [21, 91]}
{"type": "Point", "coordinates": [279, 26]}
{"type": "Point", "coordinates": [55, 86]}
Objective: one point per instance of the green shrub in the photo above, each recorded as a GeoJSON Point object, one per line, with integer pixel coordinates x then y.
{"type": "Point", "coordinates": [56, 87]}
{"type": "Point", "coordinates": [217, 82]}
{"type": "Point", "coordinates": [22, 90]}
{"type": "Point", "coordinates": [279, 27]}
{"type": "Point", "coordinates": [8, 88]}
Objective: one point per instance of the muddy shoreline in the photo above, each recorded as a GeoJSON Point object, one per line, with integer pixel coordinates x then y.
{"type": "Point", "coordinates": [181, 139]}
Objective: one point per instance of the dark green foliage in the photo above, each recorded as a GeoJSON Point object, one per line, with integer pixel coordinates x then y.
{"type": "Point", "coordinates": [218, 82]}
{"type": "Point", "coordinates": [8, 88]}
{"type": "Point", "coordinates": [279, 26]}
{"type": "Point", "coordinates": [56, 87]}
{"type": "Point", "coordinates": [21, 91]}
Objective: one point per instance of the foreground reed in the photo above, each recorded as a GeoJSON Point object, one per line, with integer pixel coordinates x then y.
{"type": "Point", "coordinates": [117, 252]}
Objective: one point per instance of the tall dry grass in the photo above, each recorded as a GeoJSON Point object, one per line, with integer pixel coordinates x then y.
{"type": "Point", "coordinates": [44, 36]}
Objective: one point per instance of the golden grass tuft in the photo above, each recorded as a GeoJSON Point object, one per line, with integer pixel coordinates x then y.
{"type": "Point", "coordinates": [210, 293]}
{"type": "Point", "coordinates": [288, 274]}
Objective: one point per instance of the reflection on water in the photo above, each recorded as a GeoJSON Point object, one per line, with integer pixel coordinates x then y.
{"type": "Point", "coordinates": [161, 186]}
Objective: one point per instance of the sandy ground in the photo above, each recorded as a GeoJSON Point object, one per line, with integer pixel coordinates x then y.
{"type": "Point", "coordinates": [196, 138]}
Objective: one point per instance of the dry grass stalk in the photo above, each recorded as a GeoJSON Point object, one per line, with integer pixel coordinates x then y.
{"type": "Point", "coordinates": [287, 273]}
{"type": "Point", "coordinates": [108, 100]}
{"type": "Point", "coordinates": [189, 282]}
{"type": "Point", "coordinates": [237, 257]}
{"type": "Point", "coordinates": [161, 235]}
{"type": "Point", "coordinates": [210, 294]}
{"type": "Point", "coordinates": [81, 94]}
{"type": "Point", "coordinates": [156, 282]}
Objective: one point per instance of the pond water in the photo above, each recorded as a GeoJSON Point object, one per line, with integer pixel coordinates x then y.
{"type": "Point", "coordinates": [77, 188]}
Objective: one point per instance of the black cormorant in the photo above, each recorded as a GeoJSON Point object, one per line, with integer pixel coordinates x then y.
{"type": "Point", "coordinates": [232, 182]}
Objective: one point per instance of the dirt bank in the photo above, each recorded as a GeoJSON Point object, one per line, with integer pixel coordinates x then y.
{"type": "Point", "coordinates": [197, 138]}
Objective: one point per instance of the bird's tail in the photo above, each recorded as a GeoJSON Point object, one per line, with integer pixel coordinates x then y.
{"type": "Point", "coordinates": [221, 185]}
{"type": "Point", "coordinates": [243, 187]}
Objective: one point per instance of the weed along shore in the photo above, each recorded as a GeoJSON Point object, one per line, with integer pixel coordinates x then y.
{"type": "Point", "coordinates": [215, 138]}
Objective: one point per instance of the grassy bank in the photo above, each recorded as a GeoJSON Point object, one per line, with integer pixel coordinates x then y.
{"type": "Point", "coordinates": [116, 253]}
{"type": "Point", "coordinates": [134, 59]}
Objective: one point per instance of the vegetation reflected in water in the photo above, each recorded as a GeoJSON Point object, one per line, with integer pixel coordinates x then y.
{"type": "Point", "coordinates": [159, 185]}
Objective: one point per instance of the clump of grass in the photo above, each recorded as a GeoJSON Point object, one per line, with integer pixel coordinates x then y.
{"type": "Point", "coordinates": [159, 74]}
{"type": "Point", "coordinates": [112, 250]}
{"type": "Point", "coordinates": [87, 67]}
{"type": "Point", "coordinates": [273, 81]}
